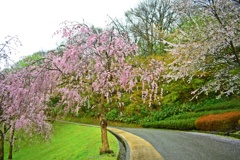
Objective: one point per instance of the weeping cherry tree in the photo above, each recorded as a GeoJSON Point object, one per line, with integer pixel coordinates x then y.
{"type": "Point", "coordinates": [101, 65]}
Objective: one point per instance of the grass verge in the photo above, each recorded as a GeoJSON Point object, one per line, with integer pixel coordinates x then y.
{"type": "Point", "coordinates": [68, 142]}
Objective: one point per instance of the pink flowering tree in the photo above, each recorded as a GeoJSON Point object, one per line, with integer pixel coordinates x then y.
{"type": "Point", "coordinates": [23, 96]}
{"type": "Point", "coordinates": [100, 65]}
{"type": "Point", "coordinates": [207, 45]}
{"type": "Point", "coordinates": [23, 103]}
{"type": "Point", "coordinates": [6, 49]}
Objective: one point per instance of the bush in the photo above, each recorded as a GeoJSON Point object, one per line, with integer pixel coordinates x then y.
{"type": "Point", "coordinates": [188, 124]}
{"type": "Point", "coordinates": [220, 105]}
{"type": "Point", "coordinates": [168, 112]}
{"type": "Point", "coordinates": [191, 115]}
{"type": "Point", "coordinates": [112, 115]}
{"type": "Point", "coordinates": [129, 119]}
{"type": "Point", "coordinates": [218, 122]}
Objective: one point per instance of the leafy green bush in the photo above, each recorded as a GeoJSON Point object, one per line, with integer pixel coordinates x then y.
{"type": "Point", "coordinates": [233, 103]}
{"type": "Point", "coordinates": [33, 59]}
{"type": "Point", "coordinates": [133, 119]}
{"type": "Point", "coordinates": [134, 113]}
{"type": "Point", "coordinates": [191, 115]}
{"type": "Point", "coordinates": [53, 107]}
{"type": "Point", "coordinates": [187, 124]}
{"type": "Point", "coordinates": [218, 122]}
{"type": "Point", "coordinates": [168, 112]}
{"type": "Point", "coordinates": [112, 115]}
{"type": "Point", "coordinates": [180, 91]}
{"type": "Point", "coordinates": [188, 115]}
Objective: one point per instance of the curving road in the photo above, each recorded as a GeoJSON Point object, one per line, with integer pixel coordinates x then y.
{"type": "Point", "coordinates": [180, 145]}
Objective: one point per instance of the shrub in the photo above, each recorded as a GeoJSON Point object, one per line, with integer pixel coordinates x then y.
{"type": "Point", "coordinates": [190, 115]}
{"type": "Point", "coordinates": [187, 124]}
{"type": "Point", "coordinates": [169, 112]}
{"type": "Point", "coordinates": [112, 115]}
{"type": "Point", "coordinates": [129, 119]}
{"type": "Point", "coordinates": [220, 105]}
{"type": "Point", "coordinates": [218, 122]}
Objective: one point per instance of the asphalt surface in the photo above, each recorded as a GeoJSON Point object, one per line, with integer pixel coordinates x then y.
{"type": "Point", "coordinates": [179, 145]}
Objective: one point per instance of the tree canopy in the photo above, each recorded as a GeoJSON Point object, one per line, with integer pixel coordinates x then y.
{"type": "Point", "coordinates": [207, 44]}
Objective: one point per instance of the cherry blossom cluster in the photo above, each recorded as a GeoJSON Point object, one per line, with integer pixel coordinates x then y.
{"type": "Point", "coordinates": [102, 63]}
{"type": "Point", "coordinates": [23, 96]}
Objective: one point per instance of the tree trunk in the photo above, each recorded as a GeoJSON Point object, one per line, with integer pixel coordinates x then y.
{"type": "Point", "coordinates": [105, 144]}
{"type": "Point", "coordinates": [1, 145]}
{"type": "Point", "coordinates": [11, 143]}
{"type": "Point", "coordinates": [103, 125]}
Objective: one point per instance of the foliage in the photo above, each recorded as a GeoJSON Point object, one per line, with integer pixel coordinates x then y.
{"type": "Point", "coordinates": [218, 122]}
{"type": "Point", "coordinates": [113, 115]}
{"type": "Point", "coordinates": [221, 105]}
{"type": "Point", "coordinates": [190, 111]}
{"type": "Point", "coordinates": [188, 124]}
{"type": "Point", "coordinates": [132, 114]}
{"type": "Point", "coordinates": [68, 141]}
{"type": "Point", "coordinates": [179, 91]}
{"type": "Point", "coordinates": [54, 108]}
{"type": "Point", "coordinates": [147, 23]}
{"type": "Point", "coordinates": [27, 61]}
{"type": "Point", "coordinates": [168, 112]}
{"type": "Point", "coordinates": [208, 44]}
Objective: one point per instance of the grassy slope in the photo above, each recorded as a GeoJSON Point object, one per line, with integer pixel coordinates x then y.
{"type": "Point", "coordinates": [206, 109]}
{"type": "Point", "coordinates": [69, 142]}
{"type": "Point", "coordinates": [186, 120]}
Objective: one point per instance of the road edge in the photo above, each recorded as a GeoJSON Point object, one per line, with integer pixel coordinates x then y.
{"type": "Point", "coordinates": [138, 148]}
{"type": "Point", "coordinates": [124, 150]}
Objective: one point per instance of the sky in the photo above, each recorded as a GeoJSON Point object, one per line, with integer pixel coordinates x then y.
{"type": "Point", "coordinates": [35, 21]}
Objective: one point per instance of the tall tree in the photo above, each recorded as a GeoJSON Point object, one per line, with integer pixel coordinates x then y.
{"type": "Point", "coordinates": [148, 22]}
{"type": "Point", "coordinates": [97, 66]}
{"type": "Point", "coordinates": [208, 43]}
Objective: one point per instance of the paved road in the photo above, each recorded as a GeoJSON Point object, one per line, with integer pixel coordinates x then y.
{"type": "Point", "coordinates": [178, 145]}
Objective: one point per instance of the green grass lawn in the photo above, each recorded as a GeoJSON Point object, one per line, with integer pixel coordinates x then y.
{"type": "Point", "coordinates": [68, 142]}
